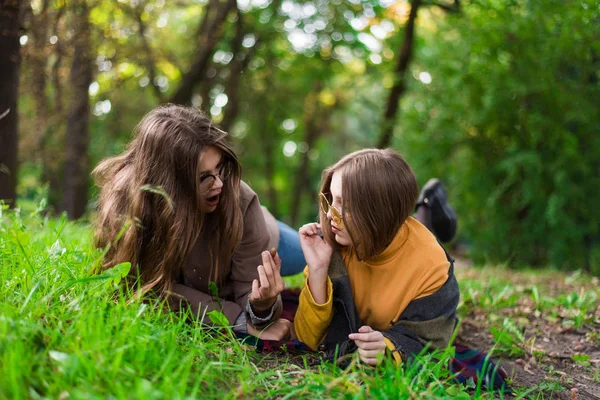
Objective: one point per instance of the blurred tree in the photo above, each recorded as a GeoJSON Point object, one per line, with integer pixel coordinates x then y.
{"type": "Point", "coordinates": [42, 130]}
{"type": "Point", "coordinates": [76, 170]}
{"type": "Point", "coordinates": [210, 32]}
{"type": "Point", "coordinates": [495, 99]}
{"type": "Point", "coordinates": [136, 11]}
{"type": "Point", "coordinates": [505, 109]}
{"type": "Point", "coordinates": [49, 115]}
{"type": "Point", "coordinates": [404, 57]}
{"type": "Point", "coordinates": [10, 58]}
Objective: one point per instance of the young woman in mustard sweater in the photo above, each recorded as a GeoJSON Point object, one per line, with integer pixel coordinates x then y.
{"type": "Point", "coordinates": [377, 280]}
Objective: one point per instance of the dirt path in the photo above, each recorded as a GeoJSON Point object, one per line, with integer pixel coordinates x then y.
{"type": "Point", "coordinates": [560, 360]}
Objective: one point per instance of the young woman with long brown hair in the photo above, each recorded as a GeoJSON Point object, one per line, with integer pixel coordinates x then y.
{"type": "Point", "coordinates": [173, 204]}
{"type": "Point", "coordinates": [378, 280]}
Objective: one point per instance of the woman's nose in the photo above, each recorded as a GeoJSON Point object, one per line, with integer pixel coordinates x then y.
{"type": "Point", "coordinates": [218, 183]}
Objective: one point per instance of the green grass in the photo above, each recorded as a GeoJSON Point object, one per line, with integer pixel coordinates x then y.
{"type": "Point", "coordinates": [69, 334]}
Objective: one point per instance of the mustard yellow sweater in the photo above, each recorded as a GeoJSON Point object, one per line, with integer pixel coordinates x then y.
{"type": "Point", "coordinates": [414, 265]}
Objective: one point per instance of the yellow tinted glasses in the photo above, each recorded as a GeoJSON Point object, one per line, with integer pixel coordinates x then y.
{"type": "Point", "coordinates": [336, 215]}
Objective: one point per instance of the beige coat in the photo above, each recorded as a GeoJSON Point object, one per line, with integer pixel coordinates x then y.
{"type": "Point", "coordinates": [235, 274]}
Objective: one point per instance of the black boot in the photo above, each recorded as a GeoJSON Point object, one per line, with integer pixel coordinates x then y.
{"type": "Point", "coordinates": [442, 217]}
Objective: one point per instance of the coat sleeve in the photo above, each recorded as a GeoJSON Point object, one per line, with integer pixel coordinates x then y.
{"type": "Point", "coordinates": [426, 320]}
{"type": "Point", "coordinates": [244, 261]}
{"type": "Point", "coordinates": [247, 257]}
{"type": "Point", "coordinates": [312, 319]}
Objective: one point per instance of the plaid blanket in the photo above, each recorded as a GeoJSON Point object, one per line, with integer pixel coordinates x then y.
{"type": "Point", "coordinates": [469, 366]}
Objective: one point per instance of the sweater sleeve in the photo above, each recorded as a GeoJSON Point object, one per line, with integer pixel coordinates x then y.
{"type": "Point", "coordinates": [312, 319]}
{"type": "Point", "coordinates": [247, 257]}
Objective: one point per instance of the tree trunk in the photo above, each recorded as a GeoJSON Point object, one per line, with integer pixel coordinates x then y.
{"type": "Point", "coordinates": [10, 58]}
{"type": "Point", "coordinates": [269, 156]}
{"type": "Point", "coordinates": [237, 66]}
{"type": "Point", "coordinates": [149, 59]}
{"type": "Point", "coordinates": [39, 35]}
{"type": "Point", "coordinates": [311, 134]}
{"type": "Point", "coordinates": [267, 139]}
{"type": "Point", "coordinates": [211, 31]}
{"type": "Point", "coordinates": [51, 140]}
{"type": "Point", "coordinates": [77, 139]}
{"type": "Point", "coordinates": [404, 58]}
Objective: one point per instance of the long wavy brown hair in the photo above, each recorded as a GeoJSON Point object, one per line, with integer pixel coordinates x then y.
{"type": "Point", "coordinates": [379, 192]}
{"type": "Point", "coordinates": [149, 204]}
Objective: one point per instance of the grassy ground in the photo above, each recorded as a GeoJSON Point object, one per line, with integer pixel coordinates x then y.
{"type": "Point", "coordinates": [65, 334]}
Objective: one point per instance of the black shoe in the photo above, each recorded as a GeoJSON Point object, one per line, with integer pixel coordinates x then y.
{"type": "Point", "coordinates": [442, 216]}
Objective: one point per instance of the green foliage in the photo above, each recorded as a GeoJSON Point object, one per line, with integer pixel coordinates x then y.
{"type": "Point", "coordinates": [510, 122]}
{"type": "Point", "coordinates": [218, 318]}
{"type": "Point", "coordinates": [502, 106]}
{"type": "Point", "coordinates": [495, 293]}
{"type": "Point", "coordinates": [581, 359]}
{"type": "Point", "coordinates": [66, 332]}
{"type": "Point", "coordinates": [509, 340]}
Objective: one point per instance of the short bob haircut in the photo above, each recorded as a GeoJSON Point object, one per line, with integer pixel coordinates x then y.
{"type": "Point", "coordinates": [379, 192]}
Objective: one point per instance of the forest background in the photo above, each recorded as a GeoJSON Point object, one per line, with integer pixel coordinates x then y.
{"type": "Point", "coordinates": [497, 98]}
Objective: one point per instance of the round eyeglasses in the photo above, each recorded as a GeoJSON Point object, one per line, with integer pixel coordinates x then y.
{"type": "Point", "coordinates": [208, 180]}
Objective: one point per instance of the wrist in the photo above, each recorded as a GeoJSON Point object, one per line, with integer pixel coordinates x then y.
{"type": "Point", "coordinates": [263, 306]}
{"type": "Point", "coordinates": [318, 270]}
{"type": "Point", "coordinates": [318, 288]}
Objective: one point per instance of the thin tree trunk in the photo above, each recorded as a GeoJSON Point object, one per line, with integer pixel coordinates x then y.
{"type": "Point", "coordinates": [238, 66]}
{"type": "Point", "coordinates": [211, 32]}
{"type": "Point", "coordinates": [269, 152]}
{"type": "Point", "coordinates": [10, 60]}
{"type": "Point", "coordinates": [400, 73]}
{"type": "Point", "coordinates": [311, 134]}
{"type": "Point", "coordinates": [206, 85]}
{"type": "Point", "coordinates": [150, 62]}
{"type": "Point", "coordinates": [52, 137]}
{"type": "Point", "coordinates": [77, 139]}
{"type": "Point", "coordinates": [39, 35]}
{"type": "Point", "coordinates": [266, 137]}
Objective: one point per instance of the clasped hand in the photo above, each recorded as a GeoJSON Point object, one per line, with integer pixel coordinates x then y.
{"type": "Point", "coordinates": [370, 343]}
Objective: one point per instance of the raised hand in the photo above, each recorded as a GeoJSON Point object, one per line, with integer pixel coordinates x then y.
{"type": "Point", "coordinates": [264, 293]}
{"type": "Point", "coordinates": [317, 252]}
{"type": "Point", "coordinates": [370, 343]}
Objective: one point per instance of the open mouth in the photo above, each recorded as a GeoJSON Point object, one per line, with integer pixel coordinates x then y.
{"type": "Point", "coordinates": [213, 200]}
{"type": "Point", "coordinates": [334, 229]}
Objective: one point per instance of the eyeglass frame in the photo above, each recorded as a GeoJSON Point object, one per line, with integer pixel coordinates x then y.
{"type": "Point", "coordinates": [220, 174]}
{"type": "Point", "coordinates": [336, 215]}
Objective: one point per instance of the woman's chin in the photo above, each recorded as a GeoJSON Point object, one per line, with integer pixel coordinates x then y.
{"type": "Point", "coordinates": [342, 241]}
